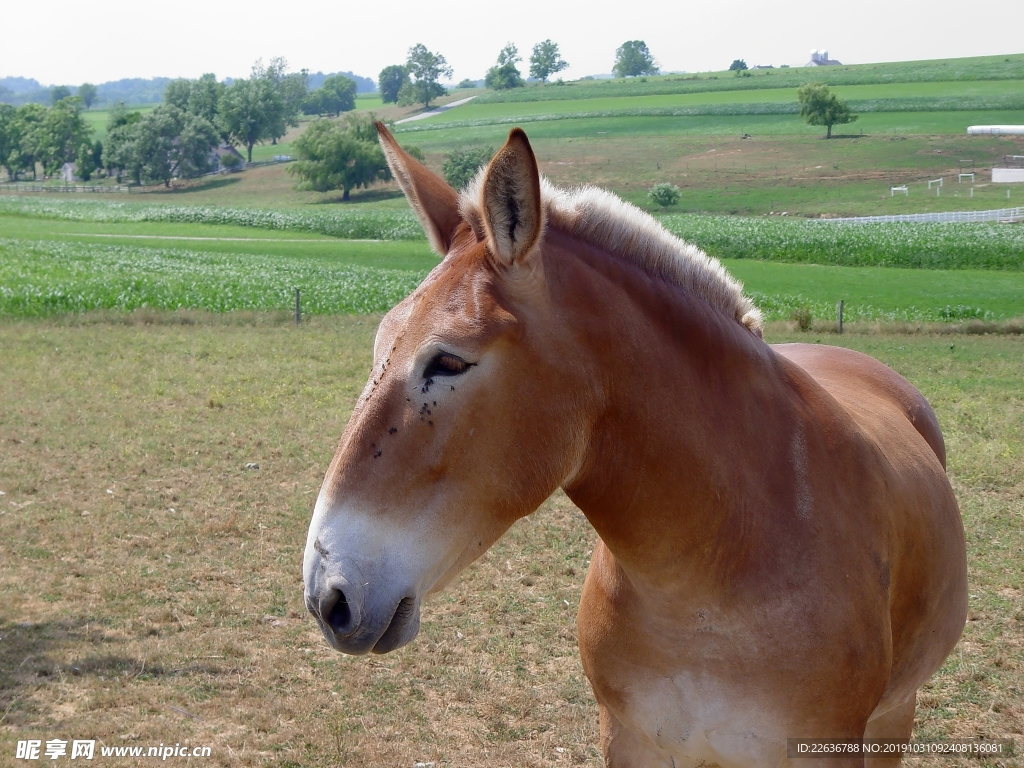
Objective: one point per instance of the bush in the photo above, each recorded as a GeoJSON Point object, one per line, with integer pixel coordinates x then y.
{"type": "Point", "coordinates": [803, 318]}
{"type": "Point", "coordinates": [461, 165]}
{"type": "Point", "coordinates": [504, 78]}
{"type": "Point", "coordinates": [664, 194]}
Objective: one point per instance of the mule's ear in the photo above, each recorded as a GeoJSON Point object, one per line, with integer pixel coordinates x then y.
{"type": "Point", "coordinates": [510, 200]}
{"type": "Point", "coordinates": [436, 204]}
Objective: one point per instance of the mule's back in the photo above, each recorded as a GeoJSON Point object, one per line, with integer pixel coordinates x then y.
{"type": "Point", "coordinates": [928, 591]}
{"type": "Point", "coordinates": [851, 377]}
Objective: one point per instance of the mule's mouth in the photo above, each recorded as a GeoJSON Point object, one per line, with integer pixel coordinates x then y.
{"type": "Point", "coordinates": [395, 635]}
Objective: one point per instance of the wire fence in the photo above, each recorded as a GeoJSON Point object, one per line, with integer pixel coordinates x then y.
{"type": "Point", "coordinates": [999, 214]}
{"type": "Point", "coordinates": [14, 187]}
{"type": "Point", "coordinates": [18, 187]}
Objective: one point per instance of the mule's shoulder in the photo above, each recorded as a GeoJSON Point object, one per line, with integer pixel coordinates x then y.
{"type": "Point", "coordinates": [854, 378]}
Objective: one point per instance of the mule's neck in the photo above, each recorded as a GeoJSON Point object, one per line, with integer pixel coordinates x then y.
{"type": "Point", "coordinates": [692, 436]}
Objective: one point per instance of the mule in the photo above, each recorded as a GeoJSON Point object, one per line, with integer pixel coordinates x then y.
{"type": "Point", "coordinates": [780, 555]}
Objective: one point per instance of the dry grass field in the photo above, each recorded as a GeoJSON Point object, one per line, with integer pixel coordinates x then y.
{"type": "Point", "coordinates": [150, 585]}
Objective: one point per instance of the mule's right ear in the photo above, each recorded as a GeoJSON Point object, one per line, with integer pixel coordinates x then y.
{"type": "Point", "coordinates": [436, 204]}
{"type": "Point", "coordinates": [510, 199]}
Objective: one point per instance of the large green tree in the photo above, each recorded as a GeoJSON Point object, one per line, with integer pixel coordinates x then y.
{"type": "Point", "coordinates": [252, 111]}
{"type": "Point", "coordinates": [336, 95]}
{"type": "Point", "coordinates": [24, 135]}
{"type": "Point", "coordinates": [89, 159]}
{"type": "Point", "coordinates": [390, 82]}
{"type": "Point", "coordinates": [633, 59]}
{"type": "Point", "coordinates": [59, 93]}
{"type": "Point", "coordinates": [339, 155]}
{"type": "Point", "coordinates": [197, 97]}
{"type": "Point", "coordinates": [426, 70]}
{"type": "Point", "coordinates": [8, 114]}
{"type": "Point", "coordinates": [164, 144]}
{"type": "Point", "coordinates": [546, 60]}
{"type": "Point", "coordinates": [292, 87]}
{"type": "Point", "coordinates": [87, 93]}
{"type": "Point", "coordinates": [57, 137]}
{"type": "Point", "coordinates": [506, 74]}
{"type": "Point", "coordinates": [819, 106]}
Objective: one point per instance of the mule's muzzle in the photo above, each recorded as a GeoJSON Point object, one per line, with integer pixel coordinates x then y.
{"type": "Point", "coordinates": [354, 622]}
{"type": "Point", "coordinates": [335, 610]}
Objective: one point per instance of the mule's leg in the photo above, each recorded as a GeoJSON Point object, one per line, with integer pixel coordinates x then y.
{"type": "Point", "coordinates": [624, 749]}
{"type": "Point", "coordinates": [896, 724]}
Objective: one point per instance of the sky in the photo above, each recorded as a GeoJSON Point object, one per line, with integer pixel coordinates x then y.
{"type": "Point", "coordinates": [105, 40]}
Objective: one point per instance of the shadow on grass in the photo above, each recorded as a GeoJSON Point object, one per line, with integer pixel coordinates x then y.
{"type": "Point", "coordinates": [201, 187]}
{"type": "Point", "coordinates": [33, 656]}
{"type": "Point", "coordinates": [362, 196]}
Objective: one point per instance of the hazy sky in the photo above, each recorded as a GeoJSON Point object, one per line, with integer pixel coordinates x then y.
{"type": "Point", "coordinates": [59, 42]}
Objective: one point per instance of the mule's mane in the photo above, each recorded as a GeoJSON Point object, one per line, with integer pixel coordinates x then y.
{"type": "Point", "coordinates": [600, 218]}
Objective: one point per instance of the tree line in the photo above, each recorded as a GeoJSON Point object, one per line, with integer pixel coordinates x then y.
{"type": "Point", "coordinates": [178, 137]}
{"type": "Point", "coordinates": [417, 81]}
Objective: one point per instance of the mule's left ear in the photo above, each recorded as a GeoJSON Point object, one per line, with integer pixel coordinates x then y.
{"type": "Point", "coordinates": [436, 204]}
{"type": "Point", "coordinates": [512, 211]}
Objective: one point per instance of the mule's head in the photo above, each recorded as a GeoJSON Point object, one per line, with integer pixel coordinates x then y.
{"type": "Point", "coordinates": [468, 421]}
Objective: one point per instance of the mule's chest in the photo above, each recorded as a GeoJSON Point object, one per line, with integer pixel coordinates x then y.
{"type": "Point", "coordinates": [697, 719]}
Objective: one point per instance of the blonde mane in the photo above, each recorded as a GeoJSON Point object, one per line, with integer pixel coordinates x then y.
{"type": "Point", "coordinates": [600, 218]}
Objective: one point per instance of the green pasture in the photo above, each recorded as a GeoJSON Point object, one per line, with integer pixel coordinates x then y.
{"type": "Point", "coordinates": [920, 246]}
{"type": "Point", "coordinates": [438, 136]}
{"type": "Point", "coordinates": [97, 119]}
{"type": "Point", "coordinates": [368, 101]}
{"type": "Point", "coordinates": [226, 239]}
{"type": "Point", "coordinates": [871, 293]}
{"type": "Point", "coordinates": [910, 94]}
{"type": "Point", "coordinates": [123, 262]}
{"type": "Point", "coordinates": [1010, 67]}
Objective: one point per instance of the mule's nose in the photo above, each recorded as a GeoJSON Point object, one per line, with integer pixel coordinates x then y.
{"type": "Point", "coordinates": [337, 606]}
{"type": "Point", "coordinates": [336, 613]}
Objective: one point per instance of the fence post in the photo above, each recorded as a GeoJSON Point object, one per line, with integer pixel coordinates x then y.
{"type": "Point", "coordinates": [298, 308]}
{"type": "Point", "coordinates": [839, 311]}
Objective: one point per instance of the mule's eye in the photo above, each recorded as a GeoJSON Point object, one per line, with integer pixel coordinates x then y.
{"type": "Point", "coordinates": [446, 364]}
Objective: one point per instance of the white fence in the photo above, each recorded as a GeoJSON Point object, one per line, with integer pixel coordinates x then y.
{"type": "Point", "coordinates": [999, 214]}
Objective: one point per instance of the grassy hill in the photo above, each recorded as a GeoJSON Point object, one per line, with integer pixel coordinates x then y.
{"type": "Point", "coordinates": [629, 134]}
{"type": "Point", "coordinates": [937, 70]}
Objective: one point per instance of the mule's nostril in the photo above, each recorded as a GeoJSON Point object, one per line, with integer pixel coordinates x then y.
{"type": "Point", "coordinates": [340, 617]}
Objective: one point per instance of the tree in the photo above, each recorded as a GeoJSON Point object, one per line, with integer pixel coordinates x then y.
{"type": "Point", "coordinates": [252, 111]}
{"type": "Point", "coordinates": [57, 137]}
{"type": "Point", "coordinates": [8, 115]}
{"type": "Point", "coordinates": [293, 88]}
{"type": "Point", "coordinates": [426, 69]}
{"type": "Point", "coordinates": [390, 82]}
{"type": "Point", "coordinates": [737, 66]}
{"type": "Point", "coordinates": [339, 155]}
{"type": "Point", "coordinates": [664, 194]}
{"type": "Point", "coordinates": [506, 74]}
{"type": "Point", "coordinates": [22, 139]}
{"type": "Point", "coordinates": [86, 160]}
{"type": "Point", "coordinates": [163, 144]}
{"type": "Point", "coordinates": [822, 107]}
{"type": "Point", "coordinates": [633, 59]}
{"type": "Point", "coordinates": [546, 60]}
{"type": "Point", "coordinates": [290, 90]}
{"type": "Point", "coordinates": [59, 93]}
{"type": "Point", "coordinates": [87, 93]}
{"type": "Point", "coordinates": [196, 97]}
{"type": "Point", "coordinates": [462, 165]}
{"type": "Point", "coordinates": [336, 95]}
